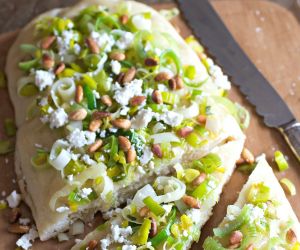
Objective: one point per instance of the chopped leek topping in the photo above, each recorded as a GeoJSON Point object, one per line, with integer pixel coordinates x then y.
{"type": "Point", "coordinates": [208, 163]}
{"type": "Point", "coordinates": [3, 204]}
{"type": "Point", "coordinates": [258, 193]}
{"type": "Point", "coordinates": [28, 90]}
{"type": "Point", "coordinates": [288, 186]}
{"type": "Point", "coordinates": [281, 161]}
{"type": "Point", "coordinates": [169, 13]}
{"type": "Point", "coordinates": [6, 146]}
{"type": "Point", "coordinates": [141, 236]}
{"type": "Point", "coordinates": [10, 127]}
{"type": "Point", "coordinates": [40, 160]}
{"type": "Point", "coordinates": [246, 168]}
{"type": "Point", "coordinates": [154, 207]}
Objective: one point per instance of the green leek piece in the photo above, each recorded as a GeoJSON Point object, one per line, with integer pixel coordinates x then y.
{"type": "Point", "coordinates": [140, 237]}
{"type": "Point", "coordinates": [113, 150]}
{"type": "Point", "coordinates": [212, 244]}
{"type": "Point", "coordinates": [191, 84]}
{"type": "Point", "coordinates": [28, 48]}
{"type": "Point", "coordinates": [40, 160]}
{"type": "Point", "coordinates": [190, 72]}
{"type": "Point", "coordinates": [89, 81]}
{"type": "Point", "coordinates": [242, 219]}
{"type": "Point", "coordinates": [3, 204]}
{"type": "Point", "coordinates": [288, 186]}
{"type": "Point", "coordinates": [110, 21]}
{"type": "Point", "coordinates": [246, 168]}
{"type": "Point", "coordinates": [91, 61]}
{"type": "Point", "coordinates": [137, 141]}
{"type": "Point", "coordinates": [27, 65]}
{"type": "Point", "coordinates": [168, 97]}
{"type": "Point", "coordinates": [208, 163]}
{"type": "Point", "coordinates": [193, 139]}
{"type": "Point", "coordinates": [154, 207]}
{"type": "Point", "coordinates": [73, 167]}
{"type": "Point", "coordinates": [6, 146]}
{"type": "Point", "coordinates": [140, 38]}
{"type": "Point", "coordinates": [281, 161]}
{"type": "Point", "coordinates": [29, 90]}
{"type": "Point", "coordinates": [91, 99]}
{"type": "Point", "coordinates": [202, 190]}
{"type": "Point", "coordinates": [170, 55]}
{"type": "Point", "coordinates": [103, 84]}
{"type": "Point", "coordinates": [258, 193]}
{"type": "Point", "coordinates": [2, 80]}
{"type": "Point", "coordinates": [163, 235]}
{"type": "Point", "coordinates": [10, 127]}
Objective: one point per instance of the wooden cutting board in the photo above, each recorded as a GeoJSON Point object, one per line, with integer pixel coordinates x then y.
{"type": "Point", "coordinates": [270, 35]}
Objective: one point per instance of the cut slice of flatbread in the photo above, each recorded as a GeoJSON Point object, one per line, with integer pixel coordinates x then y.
{"type": "Point", "coordinates": [261, 218]}
{"type": "Point", "coordinates": [84, 170]}
{"type": "Point", "coordinates": [186, 212]}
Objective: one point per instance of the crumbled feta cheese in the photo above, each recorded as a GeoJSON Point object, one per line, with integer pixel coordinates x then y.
{"type": "Point", "coordinates": [128, 247]}
{"type": "Point", "coordinates": [104, 40]}
{"type": "Point", "coordinates": [141, 23]}
{"type": "Point", "coordinates": [141, 170]}
{"type": "Point", "coordinates": [112, 213]}
{"type": "Point", "coordinates": [125, 40]}
{"type": "Point", "coordinates": [13, 199]}
{"type": "Point", "coordinates": [87, 159]}
{"type": "Point", "coordinates": [219, 78]}
{"type": "Point", "coordinates": [113, 130]}
{"type": "Point", "coordinates": [171, 118]}
{"type": "Point", "coordinates": [146, 156]}
{"type": "Point", "coordinates": [64, 42]}
{"type": "Point", "coordinates": [43, 79]}
{"type": "Point", "coordinates": [142, 119]}
{"type": "Point", "coordinates": [70, 177]}
{"type": "Point", "coordinates": [162, 88]}
{"type": "Point", "coordinates": [62, 209]}
{"type": "Point", "coordinates": [102, 133]}
{"type": "Point", "coordinates": [96, 94]}
{"type": "Point", "coordinates": [115, 67]}
{"type": "Point", "coordinates": [123, 95]}
{"type": "Point", "coordinates": [85, 192]}
{"type": "Point", "coordinates": [24, 221]}
{"type": "Point", "coordinates": [124, 111]}
{"type": "Point", "coordinates": [44, 119]}
{"type": "Point", "coordinates": [25, 242]}
{"type": "Point", "coordinates": [194, 214]}
{"type": "Point", "coordinates": [78, 138]}
{"type": "Point", "coordinates": [119, 234]}
{"type": "Point", "coordinates": [105, 243]}
{"type": "Point", "coordinates": [43, 101]}
{"type": "Point", "coordinates": [158, 127]}
{"type": "Point", "coordinates": [58, 118]}
{"type": "Point", "coordinates": [75, 156]}
{"type": "Point", "coordinates": [77, 48]}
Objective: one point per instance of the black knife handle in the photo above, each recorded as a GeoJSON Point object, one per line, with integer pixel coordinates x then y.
{"type": "Point", "coordinates": [291, 133]}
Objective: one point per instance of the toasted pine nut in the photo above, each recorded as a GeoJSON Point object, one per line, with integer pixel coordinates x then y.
{"type": "Point", "coordinates": [248, 156]}
{"type": "Point", "coordinates": [144, 211]}
{"type": "Point", "coordinates": [157, 97]}
{"type": "Point", "coordinates": [131, 155]}
{"type": "Point", "coordinates": [179, 82]}
{"type": "Point", "coordinates": [117, 56]}
{"type": "Point", "coordinates": [47, 42]}
{"type": "Point", "coordinates": [137, 100]}
{"type": "Point", "coordinates": [124, 143]}
{"type": "Point", "coordinates": [18, 229]}
{"type": "Point", "coordinates": [240, 161]}
{"type": "Point", "coordinates": [198, 180]}
{"type": "Point", "coordinates": [291, 236]}
{"type": "Point", "coordinates": [185, 131]}
{"type": "Point", "coordinates": [92, 245]}
{"type": "Point", "coordinates": [60, 68]}
{"type": "Point", "coordinates": [93, 46]}
{"type": "Point", "coordinates": [79, 94]}
{"type": "Point", "coordinates": [153, 230]}
{"type": "Point", "coordinates": [100, 115]}
{"type": "Point", "coordinates": [201, 119]}
{"type": "Point", "coordinates": [48, 61]}
{"type": "Point", "coordinates": [191, 201]}
{"type": "Point", "coordinates": [95, 146]}
{"type": "Point", "coordinates": [156, 150]}
{"type": "Point", "coordinates": [162, 76]}
{"type": "Point", "coordinates": [150, 62]}
{"type": "Point", "coordinates": [121, 123]}
{"type": "Point", "coordinates": [94, 125]}
{"type": "Point", "coordinates": [106, 100]}
{"type": "Point", "coordinates": [78, 115]}
{"type": "Point", "coordinates": [124, 19]}
{"type": "Point", "coordinates": [235, 237]}
{"type": "Point", "coordinates": [129, 75]}
{"type": "Point", "coordinates": [172, 84]}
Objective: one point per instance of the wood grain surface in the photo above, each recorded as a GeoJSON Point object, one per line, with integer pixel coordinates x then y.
{"type": "Point", "coordinates": [270, 35]}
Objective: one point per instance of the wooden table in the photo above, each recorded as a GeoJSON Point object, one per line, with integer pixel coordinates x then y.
{"type": "Point", "coordinates": [273, 45]}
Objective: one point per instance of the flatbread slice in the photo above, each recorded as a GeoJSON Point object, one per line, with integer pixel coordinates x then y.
{"type": "Point", "coordinates": [261, 218]}
{"type": "Point", "coordinates": [109, 96]}
{"type": "Point", "coordinates": [187, 200]}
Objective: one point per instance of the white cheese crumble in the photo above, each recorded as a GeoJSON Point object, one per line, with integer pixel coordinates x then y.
{"type": "Point", "coordinates": [119, 234]}
{"type": "Point", "coordinates": [105, 243]}
{"type": "Point", "coordinates": [123, 95]}
{"type": "Point", "coordinates": [158, 127]}
{"type": "Point", "coordinates": [78, 138]}
{"type": "Point", "coordinates": [62, 209]}
{"type": "Point", "coordinates": [43, 79]}
{"type": "Point", "coordinates": [43, 101]}
{"type": "Point", "coordinates": [219, 78]}
{"type": "Point", "coordinates": [96, 94]}
{"type": "Point", "coordinates": [64, 42]}
{"type": "Point", "coordinates": [24, 221]}
{"type": "Point", "coordinates": [125, 40]}
{"type": "Point", "coordinates": [171, 118]}
{"type": "Point", "coordinates": [85, 192]}
{"type": "Point", "coordinates": [112, 213]}
{"type": "Point", "coordinates": [87, 159]}
{"type": "Point", "coordinates": [142, 119]}
{"type": "Point", "coordinates": [128, 247]}
{"type": "Point", "coordinates": [103, 40]}
{"type": "Point", "coordinates": [115, 67]}
{"type": "Point", "coordinates": [146, 156]}
{"type": "Point", "coordinates": [77, 48]}
{"type": "Point", "coordinates": [13, 199]}
{"type": "Point", "coordinates": [25, 242]}
{"type": "Point", "coordinates": [141, 170]}
{"type": "Point", "coordinates": [194, 214]}
{"type": "Point", "coordinates": [58, 118]}
{"type": "Point", "coordinates": [141, 23]}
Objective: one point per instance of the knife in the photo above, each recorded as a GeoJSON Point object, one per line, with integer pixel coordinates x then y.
{"type": "Point", "coordinates": [208, 27]}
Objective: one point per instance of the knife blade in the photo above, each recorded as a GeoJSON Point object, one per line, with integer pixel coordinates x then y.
{"type": "Point", "coordinates": [208, 27]}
